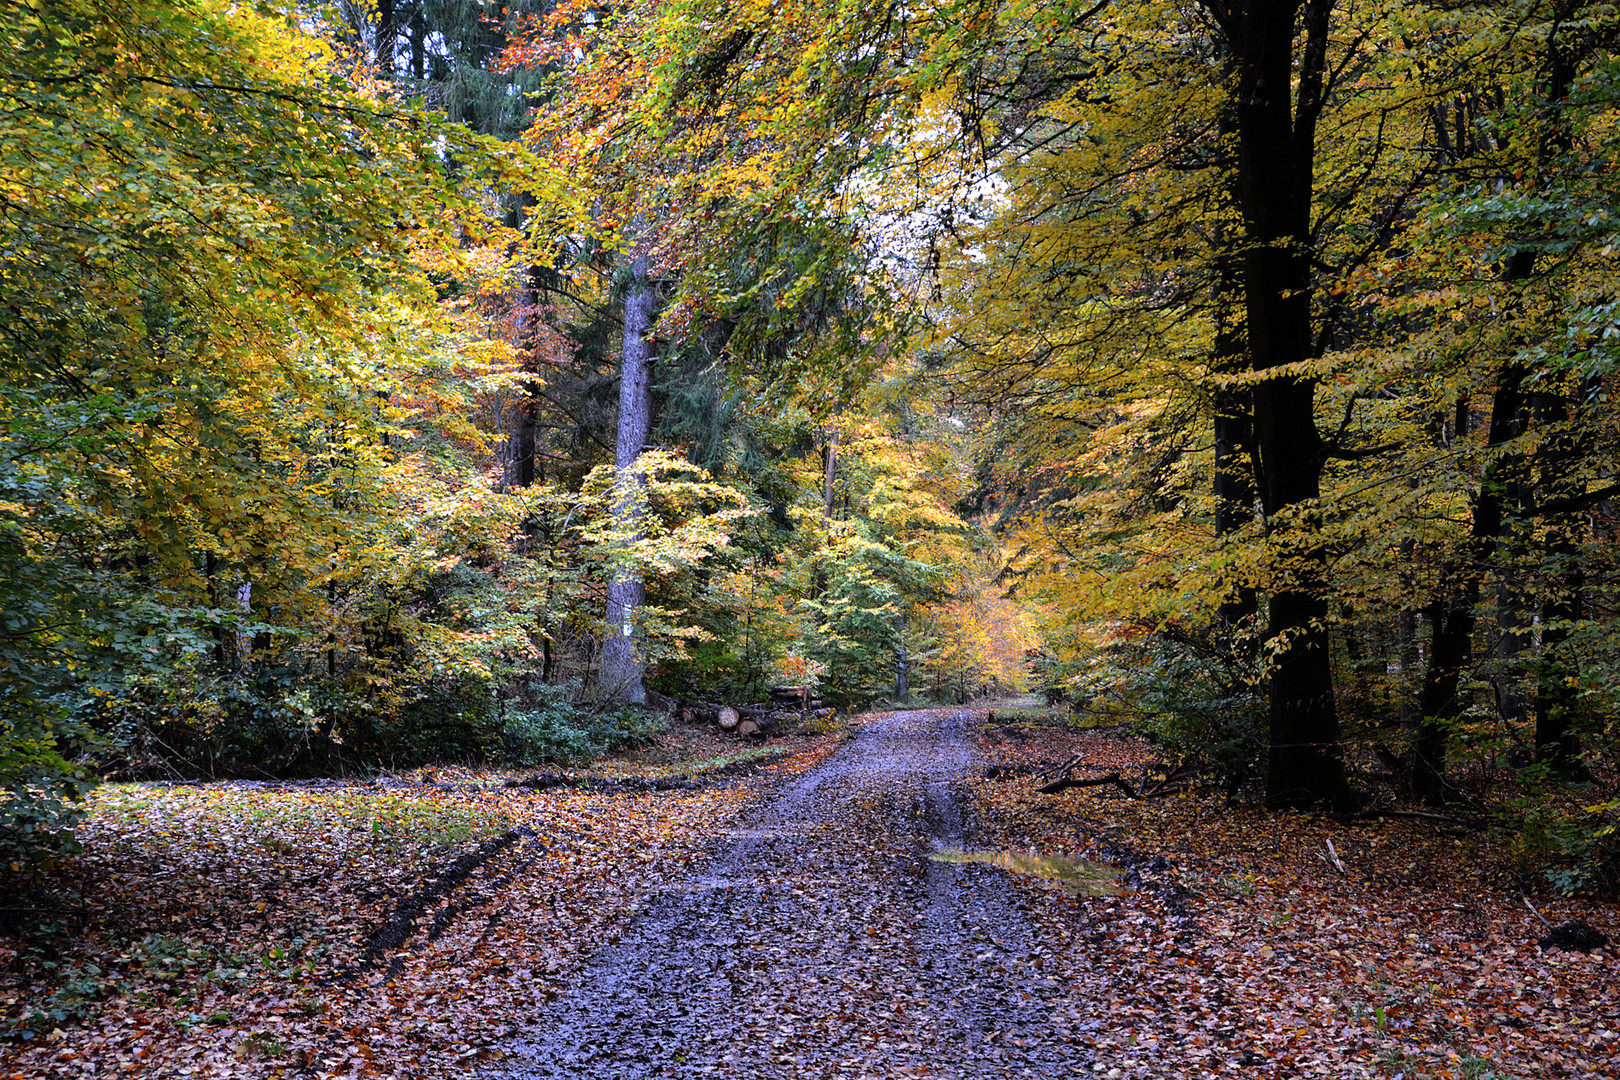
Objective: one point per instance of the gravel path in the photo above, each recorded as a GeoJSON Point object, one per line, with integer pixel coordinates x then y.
{"type": "Point", "coordinates": [821, 941]}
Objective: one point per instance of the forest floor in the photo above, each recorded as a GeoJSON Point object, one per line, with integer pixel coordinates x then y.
{"type": "Point", "coordinates": [401, 927]}
{"type": "Point", "coordinates": [900, 903]}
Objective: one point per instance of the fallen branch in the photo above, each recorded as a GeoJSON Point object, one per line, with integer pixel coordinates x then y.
{"type": "Point", "coordinates": [1097, 781]}
{"type": "Point", "coordinates": [1534, 912]}
{"type": "Point", "coordinates": [1332, 858]}
{"type": "Point", "coordinates": [1424, 815]}
{"type": "Point", "coordinates": [714, 712]}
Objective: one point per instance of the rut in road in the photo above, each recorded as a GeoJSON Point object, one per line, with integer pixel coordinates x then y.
{"type": "Point", "coordinates": [821, 941]}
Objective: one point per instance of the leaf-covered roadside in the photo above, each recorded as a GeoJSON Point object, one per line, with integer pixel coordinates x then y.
{"type": "Point", "coordinates": [1240, 950]}
{"type": "Point", "coordinates": [395, 928]}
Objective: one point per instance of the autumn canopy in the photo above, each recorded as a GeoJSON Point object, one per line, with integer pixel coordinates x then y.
{"type": "Point", "coordinates": [404, 382]}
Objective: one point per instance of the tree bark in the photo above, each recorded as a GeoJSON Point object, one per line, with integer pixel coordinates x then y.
{"type": "Point", "coordinates": [418, 44]}
{"type": "Point", "coordinates": [1234, 436]}
{"type": "Point", "coordinates": [1452, 619]}
{"type": "Point", "coordinates": [1557, 698]}
{"type": "Point", "coordinates": [829, 488]}
{"type": "Point", "coordinates": [623, 672]}
{"type": "Point", "coordinates": [387, 31]}
{"type": "Point", "coordinates": [1276, 158]}
{"type": "Point", "coordinates": [524, 440]}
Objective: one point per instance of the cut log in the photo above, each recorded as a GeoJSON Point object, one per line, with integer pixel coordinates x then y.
{"type": "Point", "coordinates": [727, 717]}
{"type": "Point", "coordinates": [699, 712]}
{"type": "Point", "coordinates": [749, 727]}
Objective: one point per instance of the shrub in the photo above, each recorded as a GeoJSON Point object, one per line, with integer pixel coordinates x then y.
{"type": "Point", "coordinates": [1197, 695]}
{"type": "Point", "coordinates": [552, 729]}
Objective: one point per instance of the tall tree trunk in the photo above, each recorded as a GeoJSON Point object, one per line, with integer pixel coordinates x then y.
{"type": "Point", "coordinates": [1276, 159]}
{"type": "Point", "coordinates": [1452, 618]}
{"type": "Point", "coordinates": [1234, 437]}
{"type": "Point", "coordinates": [623, 659]}
{"type": "Point", "coordinates": [829, 489]}
{"type": "Point", "coordinates": [1514, 629]}
{"type": "Point", "coordinates": [1557, 698]}
{"type": "Point", "coordinates": [418, 44]}
{"type": "Point", "coordinates": [387, 32]}
{"type": "Point", "coordinates": [522, 444]}
{"type": "Point", "coordinates": [1513, 632]}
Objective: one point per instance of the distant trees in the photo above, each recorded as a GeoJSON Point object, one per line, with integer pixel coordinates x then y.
{"type": "Point", "coordinates": [266, 323]}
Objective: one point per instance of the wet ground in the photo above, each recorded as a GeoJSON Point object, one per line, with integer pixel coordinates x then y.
{"type": "Point", "coordinates": [823, 940]}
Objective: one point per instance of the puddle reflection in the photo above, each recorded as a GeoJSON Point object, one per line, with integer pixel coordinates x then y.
{"type": "Point", "coordinates": [1076, 877]}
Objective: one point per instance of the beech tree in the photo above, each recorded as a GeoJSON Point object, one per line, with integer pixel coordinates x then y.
{"type": "Point", "coordinates": [624, 663]}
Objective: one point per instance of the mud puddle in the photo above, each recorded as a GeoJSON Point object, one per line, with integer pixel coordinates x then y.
{"type": "Point", "coordinates": [1077, 877]}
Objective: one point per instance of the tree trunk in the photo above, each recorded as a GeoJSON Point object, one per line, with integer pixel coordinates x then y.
{"type": "Point", "coordinates": [1276, 157]}
{"type": "Point", "coordinates": [418, 45]}
{"type": "Point", "coordinates": [902, 664]}
{"type": "Point", "coordinates": [1513, 632]}
{"type": "Point", "coordinates": [623, 670]}
{"type": "Point", "coordinates": [1453, 618]}
{"type": "Point", "coordinates": [830, 474]}
{"type": "Point", "coordinates": [387, 32]}
{"type": "Point", "coordinates": [521, 457]}
{"type": "Point", "coordinates": [520, 462]}
{"type": "Point", "coordinates": [1451, 634]}
{"type": "Point", "coordinates": [1557, 698]}
{"type": "Point", "coordinates": [1234, 436]}
{"type": "Point", "coordinates": [1234, 489]}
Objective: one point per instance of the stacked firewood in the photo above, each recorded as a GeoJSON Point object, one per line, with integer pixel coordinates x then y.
{"type": "Point", "coordinates": [787, 703]}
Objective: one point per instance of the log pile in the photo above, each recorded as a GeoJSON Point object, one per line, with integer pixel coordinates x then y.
{"type": "Point", "coordinates": [787, 704]}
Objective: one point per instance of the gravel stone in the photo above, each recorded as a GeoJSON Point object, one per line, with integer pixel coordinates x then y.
{"type": "Point", "coordinates": [821, 941]}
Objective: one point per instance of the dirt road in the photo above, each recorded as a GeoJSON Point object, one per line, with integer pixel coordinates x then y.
{"type": "Point", "coordinates": [822, 941]}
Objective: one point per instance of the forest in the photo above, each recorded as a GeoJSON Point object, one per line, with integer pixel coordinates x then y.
{"type": "Point", "coordinates": [391, 386]}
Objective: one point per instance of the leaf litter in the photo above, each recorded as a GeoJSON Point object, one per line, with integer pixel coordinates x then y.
{"type": "Point", "coordinates": [403, 927]}
{"type": "Point", "coordinates": [414, 928]}
{"type": "Point", "coordinates": [1240, 949]}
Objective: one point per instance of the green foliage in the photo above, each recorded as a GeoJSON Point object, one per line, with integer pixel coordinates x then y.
{"type": "Point", "coordinates": [550, 729]}
{"type": "Point", "coordinates": [1571, 837]}
{"type": "Point", "coordinates": [73, 1000]}
{"type": "Point", "coordinates": [1190, 692]}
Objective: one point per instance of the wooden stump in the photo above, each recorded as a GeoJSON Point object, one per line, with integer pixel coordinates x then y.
{"type": "Point", "coordinates": [727, 717]}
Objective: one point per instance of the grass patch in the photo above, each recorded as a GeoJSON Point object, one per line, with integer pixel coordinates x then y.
{"type": "Point", "coordinates": [287, 820]}
{"type": "Point", "coordinates": [700, 766]}
{"type": "Point", "coordinates": [1048, 717]}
